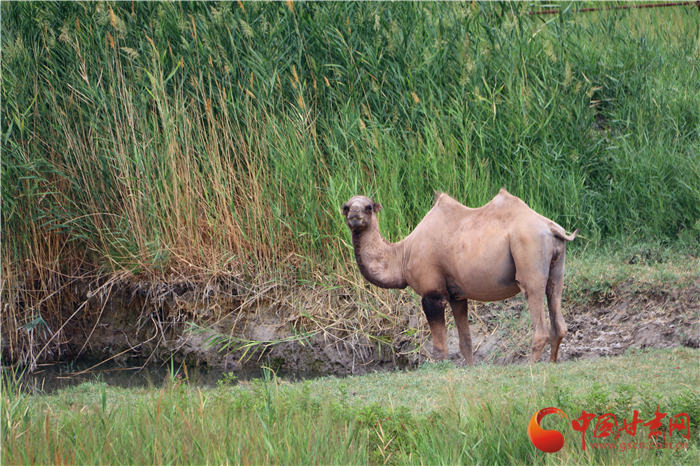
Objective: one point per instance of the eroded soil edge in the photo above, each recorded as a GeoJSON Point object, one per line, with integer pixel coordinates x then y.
{"type": "Point", "coordinates": [288, 333]}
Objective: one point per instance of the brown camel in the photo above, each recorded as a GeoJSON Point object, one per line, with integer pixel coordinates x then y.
{"type": "Point", "coordinates": [456, 253]}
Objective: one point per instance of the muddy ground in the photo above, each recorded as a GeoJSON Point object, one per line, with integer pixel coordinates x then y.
{"type": "Point", "coordinates": [600, 325]}
{"type": "Point", "coordinates": [138, 321]}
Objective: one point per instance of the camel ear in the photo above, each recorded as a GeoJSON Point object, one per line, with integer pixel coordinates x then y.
{"type": "Point", "coordinates": [376, 207]}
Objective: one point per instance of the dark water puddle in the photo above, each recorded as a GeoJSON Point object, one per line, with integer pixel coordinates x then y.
{"type": "Point", "coordinates": [48, 378]}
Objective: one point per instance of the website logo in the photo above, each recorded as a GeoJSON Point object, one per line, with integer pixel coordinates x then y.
{"type": "Point", "coordinates": [549, 441]}
{"type": "Point", "coordinates": [607, 431]}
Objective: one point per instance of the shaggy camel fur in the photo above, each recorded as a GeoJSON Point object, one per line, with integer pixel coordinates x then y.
{"type": "Point", "coordinates": [456, 253]}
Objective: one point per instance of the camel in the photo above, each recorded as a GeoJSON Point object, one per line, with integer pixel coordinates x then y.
{"type": "Point", "coordinates": [457, 253]}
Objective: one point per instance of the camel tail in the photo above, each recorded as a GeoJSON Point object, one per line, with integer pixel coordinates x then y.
{"type": "Point", "coordinates": [561, 233]}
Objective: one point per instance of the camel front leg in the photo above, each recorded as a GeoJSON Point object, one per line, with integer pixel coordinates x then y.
{"type": "Point", "coordinates": [460, 310]}
{"type": "Point", "coordinates": [434, 308]}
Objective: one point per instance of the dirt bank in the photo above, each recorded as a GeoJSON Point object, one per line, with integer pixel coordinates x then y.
{"type": "Point", "coordinates": [328, 330]}
{"type": "Point", "coordinates": [599, 325]}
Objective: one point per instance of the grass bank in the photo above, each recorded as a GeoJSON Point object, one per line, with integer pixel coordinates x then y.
{"type": "Point", "coordinates": [645, 266]}
{"type": "Point", "coordinates": [195, 142]}
{"type": "Point", "coordinates": [438, 414]}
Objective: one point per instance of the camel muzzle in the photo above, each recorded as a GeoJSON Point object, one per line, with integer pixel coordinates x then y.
{"type": "Point", "coordinates": [354, 221]}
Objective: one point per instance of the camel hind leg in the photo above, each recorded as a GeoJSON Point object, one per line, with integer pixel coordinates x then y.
{"type": "Point", "coordinates": [555, 286]}
{"type": "Point", "coordinates": [532, 257]}
{"type": "Point", "coordinates": [534, 292]}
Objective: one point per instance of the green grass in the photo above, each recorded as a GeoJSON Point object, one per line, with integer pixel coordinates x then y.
{"type": "Point", "coordinates": [438, 414]}
{"type": "Point", "coordinates": [191, 141]}
{"type": "Point", "coordinates": [643, 267]}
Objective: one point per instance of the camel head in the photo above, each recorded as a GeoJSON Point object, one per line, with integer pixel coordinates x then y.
{"type": "Point", "coordinates": [359, 213]}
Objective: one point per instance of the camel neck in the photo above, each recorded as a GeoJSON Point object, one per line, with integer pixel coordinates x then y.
{"type": "Point", "coordinates": [380, 262]}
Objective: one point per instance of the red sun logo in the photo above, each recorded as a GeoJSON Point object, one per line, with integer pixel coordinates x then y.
{"type": "Point", "coordinates": [549, 441]}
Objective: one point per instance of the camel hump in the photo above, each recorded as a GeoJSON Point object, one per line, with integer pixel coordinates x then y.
{"type": "Point", "coordinates": [446, 206]}
{"type": "Point", "coordinates": [559, 232]}
{"type": "Point", "coordinates": [438, 194]}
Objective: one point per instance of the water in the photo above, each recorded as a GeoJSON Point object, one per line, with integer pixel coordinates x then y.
{"type": "Point", "coordinates": [49, 378]}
